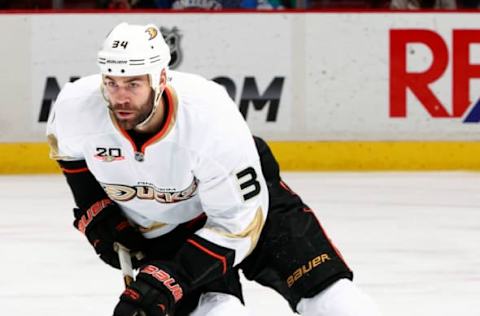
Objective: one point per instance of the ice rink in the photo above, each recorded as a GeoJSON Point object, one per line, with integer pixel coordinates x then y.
{"type": "Point", "coordinates": [412, 239]}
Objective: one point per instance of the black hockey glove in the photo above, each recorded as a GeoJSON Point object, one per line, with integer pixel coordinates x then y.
{"type": "Point", "coordinates": [104, 224]}
{"type": "Point", "coordinates": [154, 293]}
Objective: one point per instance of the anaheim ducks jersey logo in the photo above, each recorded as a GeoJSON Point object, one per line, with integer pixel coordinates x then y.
{"type": "Point", "coordinates": [124, 193]}
{"type": "Point", "coordinates": [152, 32]}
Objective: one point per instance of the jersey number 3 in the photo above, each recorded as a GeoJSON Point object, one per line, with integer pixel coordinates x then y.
{"type": "Point", "coordinates": [248, 180]}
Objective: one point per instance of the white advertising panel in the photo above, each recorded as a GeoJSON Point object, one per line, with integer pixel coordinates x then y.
{"type": "Point", "coordinates": [295, 76]}
{"type": "Point", "coordinates": [391, 76]}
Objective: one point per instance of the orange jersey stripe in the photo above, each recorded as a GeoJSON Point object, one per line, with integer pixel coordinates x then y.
{"type": "Point", "coordinates": [168, 120]}
{"type": "Point", "coordinates": [71, 171]}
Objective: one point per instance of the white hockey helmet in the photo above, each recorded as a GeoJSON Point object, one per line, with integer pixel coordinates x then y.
{"type": "Point", "coordinates": [133, 50]}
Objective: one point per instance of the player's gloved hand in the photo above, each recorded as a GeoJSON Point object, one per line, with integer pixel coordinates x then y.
{"type": "Point", "coordinates": [104, 224]}
{"type": "Point", "coordinates": [154, 293]}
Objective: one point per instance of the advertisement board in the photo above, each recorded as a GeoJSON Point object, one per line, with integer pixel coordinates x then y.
{"type": "Point", "coordinates": [296, 77]}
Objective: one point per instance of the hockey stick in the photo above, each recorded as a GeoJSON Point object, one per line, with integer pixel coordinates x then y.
{"type": "Point", "coordinates": [125, 259]}
{"type": "Point", "coordinates": [125, 263]}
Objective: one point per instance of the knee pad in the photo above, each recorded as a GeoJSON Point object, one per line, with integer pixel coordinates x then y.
{"type": "Point", "coordinates": [342, 298]}
{"type": "Point", "coordinates": [219, 304]}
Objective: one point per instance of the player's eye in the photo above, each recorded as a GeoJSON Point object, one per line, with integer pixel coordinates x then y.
{"type": "Point", "coordinates": [134, 84]}
{"type": "Point", "coordinates": [110, 84]}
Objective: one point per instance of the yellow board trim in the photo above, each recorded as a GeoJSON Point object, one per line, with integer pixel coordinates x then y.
{"type": "Point", "coordinates": [377, 155]}
{"type": "Point", "coordinates": [28, 158]}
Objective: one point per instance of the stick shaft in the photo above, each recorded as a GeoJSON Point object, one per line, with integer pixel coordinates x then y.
{"type": "Point", "coordinates": [125, 263]}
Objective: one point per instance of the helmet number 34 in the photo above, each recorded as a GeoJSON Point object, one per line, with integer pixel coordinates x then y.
{"type": "Point", "coordinates": [117, 44]}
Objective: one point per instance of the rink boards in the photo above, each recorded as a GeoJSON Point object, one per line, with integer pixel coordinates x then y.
{"type": "Point", "coordinates": [329, 90]}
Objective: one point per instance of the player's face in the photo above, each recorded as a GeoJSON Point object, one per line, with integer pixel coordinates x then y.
{"type": "Point", "coordinates": [130, 99]}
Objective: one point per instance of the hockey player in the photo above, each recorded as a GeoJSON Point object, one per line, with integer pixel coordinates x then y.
{"type": "Point", "coordinates": [163, 163]}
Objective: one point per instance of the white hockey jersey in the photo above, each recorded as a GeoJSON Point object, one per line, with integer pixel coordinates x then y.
{"type": "Point", "coordinates": [204, 160]}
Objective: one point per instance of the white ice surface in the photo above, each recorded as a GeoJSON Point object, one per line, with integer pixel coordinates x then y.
{"type": "Point", "coordinates": [412, 239]}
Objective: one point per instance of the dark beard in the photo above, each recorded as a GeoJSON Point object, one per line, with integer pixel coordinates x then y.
{"type": "Point", "coordinates": [143, 117]}
{"type": "Point", "coordinates": [128, 125]}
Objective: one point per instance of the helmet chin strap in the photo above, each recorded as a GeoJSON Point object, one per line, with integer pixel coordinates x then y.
{"type": "Point", "coordinates": [156, 102]}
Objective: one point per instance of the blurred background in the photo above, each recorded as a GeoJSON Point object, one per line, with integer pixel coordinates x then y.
{"type": "Point", "coordinates": [235, 4]}
{"type": "Point", "coordinates": [371, 107]}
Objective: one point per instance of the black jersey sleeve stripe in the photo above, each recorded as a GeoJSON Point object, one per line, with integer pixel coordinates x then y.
{"type": "Point", "coordinates": [84, 186]}
{"type": "Point", "coordinates": [72, 165]}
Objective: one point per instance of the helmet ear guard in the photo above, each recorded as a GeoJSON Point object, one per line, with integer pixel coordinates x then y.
{"type": "Point", "coordinates": [134, 50]}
